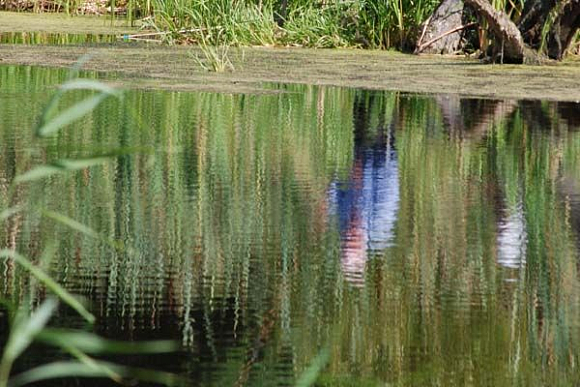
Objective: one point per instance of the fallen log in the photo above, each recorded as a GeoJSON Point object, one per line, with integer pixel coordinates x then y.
{"type": "Point", "coordinates": [546, 28]}
{"type": "Point", "coordinates": [505, 31]}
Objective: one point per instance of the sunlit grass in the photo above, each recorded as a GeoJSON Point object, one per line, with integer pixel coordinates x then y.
{"type": "Point", "coordinates": [335, 23]}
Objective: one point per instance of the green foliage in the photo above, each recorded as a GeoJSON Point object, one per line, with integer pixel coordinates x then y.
{"type": "Point", "coordinates": [218, 24]}
{"type": "Point", "coordinates": [395, 23]}
{"type": "Point", "coordinates": [310, 374]}
{"type": "Point", "coordinates": [378, 24]}
{"type": "Point", "coordinates": [49, 283]}
{"type": "Point", "coordinates": [184, 173]}
{"type": "Point", "coordinates": [28, 325]}
{"type": "Point", "coordinates": [316, 26]}
{"type": "Point", "coordinates": [232, 205]}
{"type": "Point", "coordinates": [27, 328]}
{"type": "Point", "coordinates": [215, 56]}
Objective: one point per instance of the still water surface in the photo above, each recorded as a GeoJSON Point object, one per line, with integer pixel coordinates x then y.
{"type": "Point", "coordinates": [418, 240]}
{"type": "Point", "coordinates": [51, 38]}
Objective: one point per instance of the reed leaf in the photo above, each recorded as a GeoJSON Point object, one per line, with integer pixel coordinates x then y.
{"type": "Point", "coordinates": [50, 122]}
{"type": "Point", "coordinates": [71, 223]}
{"type": "Point", "coordinates": [7, 213]}
{"type": "Point", "coordinates": [52, 285]}
{"type": "Point", "coordinates": [70, 115]}
{"type": "Point", "coordinates": [89, 84]}
{"type": "Point", "coordinates": [25, 329]}
{"type": "Point", "coordinates": [79, 369]}
{"type": "Point", "coordinates": [310, 374]}
{"type": "Point", "coordinates": [90, 343]}
{"type": "Point", "coordinates": [60, 166]}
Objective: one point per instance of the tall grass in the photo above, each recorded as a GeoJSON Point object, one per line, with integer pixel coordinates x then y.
{"type": "Point", "coordinates": [372, 23]}
{"type": "Point", "coordinates": [215, 56]}
{"type": "Point", "coordinates": [328, 23]}
{"type": "Point", "coordinates": [378, 24]}
{"type": "Point", "coordinates": [394, 23]}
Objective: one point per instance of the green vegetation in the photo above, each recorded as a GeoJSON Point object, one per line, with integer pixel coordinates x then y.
{"type": "Point", "coordinates": [336, 23]}
{"type": "Point", "coordinates": [209, 218]}
{"type": "Point", "coordinates": [235, 248]}
{"type": "Point", "coordinates": [374, 24]}
{"type": "Point", "coordinates": [120, 210]}
{"type": "Point", "coordinates": [171, 68]}
{"type": "Point", "coordinates": [216, 56]}
{"type": "Point", "coordinates": [384, 24]}
{"type": "Point", "coordinates": [29, 313]}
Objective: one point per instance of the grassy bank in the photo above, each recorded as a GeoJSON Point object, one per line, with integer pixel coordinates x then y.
{"type": "Point", "coordinates": [162, 66]}
{"type": "Point", "coordinates": [172, 67]}
{"type": "Point", "coordinates": [330, 23]}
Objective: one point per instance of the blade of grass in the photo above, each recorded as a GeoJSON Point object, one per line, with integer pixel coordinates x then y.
{"type": "Point", "coordinates": [70, 115]}
{"type": "Point", "coordinates": [61, 369]}
{"type": "Point", "coordinates": [310, 374]}
{"type": "Point", "coordinates": [79, 369]}
{"type": "Point", "coordinates": [23, 332]}
{"type": "Point", "coordinates": [88, 84]}
{"type": "Point", "coordinates": [60, 166]}
{"type": "Point", "coordinates": [76, 68]}
{"type": "Point", "coordinates": [53, 286]}
{"type": "Point", "coordinates": [79, 227]}
{"type": "Point", "coordinates": [91, 343]}
{"type": "Point", "coordinates": [67, 165]}
{"type": "Point", "coordinates": [7, 213]}
{"type": "Point", "coordinates": [48, 123]}
{"type": "Point", "coordinates": [71, 223]}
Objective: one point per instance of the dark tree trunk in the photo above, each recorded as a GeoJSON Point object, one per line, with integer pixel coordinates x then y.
{"type": "Point", "coordinates": [280, 16]}
{"type": "Point", "coordinates": [447, 17]}
{"type": "Point", "coordinates": [521, 43]}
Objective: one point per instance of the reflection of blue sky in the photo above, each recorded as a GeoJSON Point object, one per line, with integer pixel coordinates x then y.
{"type": "Point", "coordinates": [366, 207]}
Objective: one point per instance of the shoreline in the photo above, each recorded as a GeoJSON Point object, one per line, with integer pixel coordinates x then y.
{"type": "Point", "coordinates": [173, 68]}
{"type": "Point", "coordinates": [139, 65]}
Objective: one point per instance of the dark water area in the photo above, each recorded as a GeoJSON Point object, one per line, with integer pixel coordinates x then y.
{"type": "Point", "coordinates": [416, 240]}
{"type": "Point", "coordinates": [52, 38]}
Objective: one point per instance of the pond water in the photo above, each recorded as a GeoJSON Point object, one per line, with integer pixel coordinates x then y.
{"type": "Point", "coordinates": [400, 240]}
{"type": "Point", "coordinates": [52, 38]}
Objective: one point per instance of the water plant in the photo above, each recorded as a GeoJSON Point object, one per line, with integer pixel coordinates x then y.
{"type": "Point", "coordinates": [382, 24]}
{"type": "Point", "coordinates": [215, 56]}
{"type": "Point", "coordinates": [29, 316]}
{"type": "Point", "coordinates": [219, 215]}
{"type": "Point", "coordinates": [29, 326]}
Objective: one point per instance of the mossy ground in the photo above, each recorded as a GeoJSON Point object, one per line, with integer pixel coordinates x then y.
{"type": "Point", "coordinates": [160, 66]}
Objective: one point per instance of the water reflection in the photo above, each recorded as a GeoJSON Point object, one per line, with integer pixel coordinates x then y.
{"type": "Point", "coordinates": [512, 239]}
{"type": "Point", "coordinates": [386, 228]}
{"type": "Point", "coordinates": [367, 206]}
{"type": "Point", "coordinates": [52, 38]}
